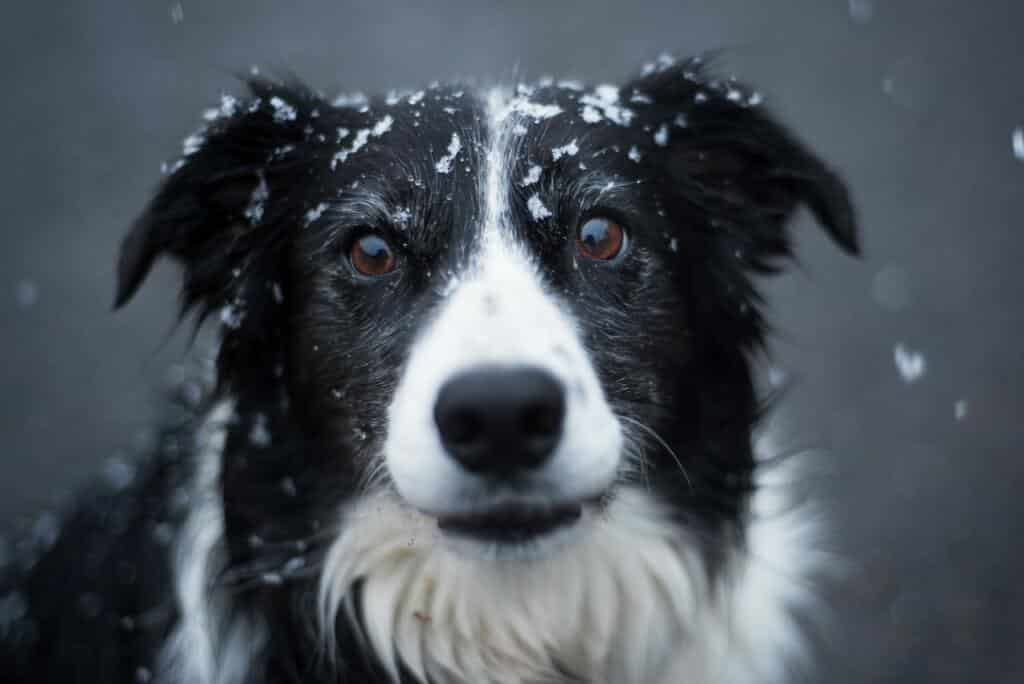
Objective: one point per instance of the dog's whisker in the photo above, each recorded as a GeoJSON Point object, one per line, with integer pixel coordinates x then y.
{"type": "Point", "coordinates": [650, 431]}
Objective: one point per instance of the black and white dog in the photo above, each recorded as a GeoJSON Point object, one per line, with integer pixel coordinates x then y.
{"type": "Point", "coordinates": [484, 403]}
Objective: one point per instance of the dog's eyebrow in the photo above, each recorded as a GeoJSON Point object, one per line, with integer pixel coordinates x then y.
{"type": "Point", "coordinates": [595, 187]}
{"type": "Point", "coordinates": [362, 207]}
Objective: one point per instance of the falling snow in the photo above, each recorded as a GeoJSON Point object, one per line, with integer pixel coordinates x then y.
{"type": "Point", "coordinates": [590, 115]}
{"type": "Point", "coordinates": [288, 487]}
{"type": "Point", "coordinates": [661, 136]}
{"type": "Point", "coordinates": [444, 164]}
{"type": "Point", "coordinates": [177, 13]}
{"type": "Point", "coordinates": [26, 294]}
{"type": "Point", "coordinates": [259, 434]}
{"type": "Point", "coordinates": [533, 110]}
{"type": "Point", "coordinates": [861, 11]}
{"type": "Point", "coordinates": [382, 126]}
{"type": "Point", "coordinates": [362, 136]}
{"type": "Point", "coordinates": [673, 244]}
{"type": "Point", "coordinates": [910, 364]}
{"type": "Point", "coordinates": [603, 103]}
{"type": "Point", "coordinates": [402, 216]}
{"type": "Point", "coordinates": [232, 316]}
{"type": "Point", "coordinates": [351, 100]}
{"type": "Point", "coordinates": [532, 176]}
{"type": "Point", "coordinates": [1017, 140]}
{"type": "Point", "coordinates": [192, 144]}
{"type": "Point", "coordinates": [282, 110]}
{"type": "Point", "coordinates": [118, 473]}
{"type": "Point", "coordinates": [634, 154]}
{"type": "Point", "coordinates": [315, 213]}
{"type": "Point", "coordinates": [228, 107]}
{"type": "Point", "coordinates": [257, 200]}
{"type": "Point", "coordinates": [960, 409]}
{"type": "Point", "coordinates": [565, 150]}
{"type": "Point", "coordinates": [415, 98]}
{"type": "Point", "coordinates": [537, 208]}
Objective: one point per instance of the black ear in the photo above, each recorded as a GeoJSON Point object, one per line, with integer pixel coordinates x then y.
{"type": "Point", "coordinates": [215, 212]}
{"type": "Point", "coordinates": [732, 160]}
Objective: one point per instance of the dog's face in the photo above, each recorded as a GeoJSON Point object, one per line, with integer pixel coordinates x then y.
{"type": "Point", "coordinates": [498, 309]}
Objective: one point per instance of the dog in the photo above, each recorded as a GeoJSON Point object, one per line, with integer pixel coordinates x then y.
{"type": "Point", "coordinates": [484, 407]}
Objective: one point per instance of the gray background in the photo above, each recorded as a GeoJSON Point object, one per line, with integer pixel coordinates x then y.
{"type": "Point", "coordinates": [914, 101]}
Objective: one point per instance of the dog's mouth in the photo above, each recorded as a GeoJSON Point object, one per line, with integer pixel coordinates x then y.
{"type": "Point", "coordinates": [512, 523]}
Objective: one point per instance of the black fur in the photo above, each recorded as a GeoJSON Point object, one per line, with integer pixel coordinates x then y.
{"type": "Point", "coordinates": [311, 352]}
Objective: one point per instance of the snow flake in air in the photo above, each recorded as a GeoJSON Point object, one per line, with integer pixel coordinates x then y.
{"type": "Point", "coordinates": [26, 294]}
{"type": "Point", "coordinates": [603, 103]}
{"type": "Point", "coordinates": [569, 150]}
{"type": "Point", "coordinates": [661, 136]}
{"type": "Point", "coordinates": [257, 200]}
{"type": "Point", "coordinates": [228, 107]}
{"type": "Point", "coordinates": [444, 164]}
{"type": "Point", "coordinates": [402, 216]}
{"type": "Point", "coordinates": [537, 209]}
{"type": "Point", "coordinates": [362, 135]}
{"type": "Point", "coordinates": [351, 101]}
{"type": "Point", "coordinates": [382, 126]}
{"type": "Point", "coordinates": [1017, 140]}
{"type": "Point", "coordinates": [192, 144]}
{"type": "Point", "coordinates": [634, 154]}
{"type": "Point", "coordinates": [232, 316]}
{"type": "Point", "coordinates": [282, 110]}
{"type": "Point", "coordinates": [533, 110]}
{"type": "Point", "coordinates": [416, 97]}
{"type": "Point", "coordinates": [910, 364]}
{"type": "Point", "coordinates": [315, 213]}
{"type": "Point", "coordinates": [960, 409]}
{"type": "Point", "coordinates": [259, 435]}
{"type": "Point", "coordinates": [531, 177]}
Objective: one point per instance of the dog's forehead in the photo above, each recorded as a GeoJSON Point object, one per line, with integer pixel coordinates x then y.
{"type": "Point", "coordinates": [443, 142]}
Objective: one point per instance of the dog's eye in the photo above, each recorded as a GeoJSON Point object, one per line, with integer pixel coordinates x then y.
{"type": "Point", "coordinates": [371, 255]}
{"type": "Point", "coordinates": [601, 238]}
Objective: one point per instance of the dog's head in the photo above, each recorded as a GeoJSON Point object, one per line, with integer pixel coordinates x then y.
{"type": "Point", "coordinates": [501, 311]}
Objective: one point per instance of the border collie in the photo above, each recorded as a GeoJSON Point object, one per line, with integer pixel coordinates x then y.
{"type": "Point", "coordinates": [484, 408]}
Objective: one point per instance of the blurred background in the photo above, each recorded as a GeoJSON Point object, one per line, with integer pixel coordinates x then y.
{"type": "Point", "coordinates": [905, 368]}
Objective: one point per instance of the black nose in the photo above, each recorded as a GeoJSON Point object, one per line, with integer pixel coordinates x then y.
{"type": "Point", "coordinates": [498, 420]}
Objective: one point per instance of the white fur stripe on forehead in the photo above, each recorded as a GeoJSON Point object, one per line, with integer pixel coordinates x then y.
{"type": "Point", "coordinates": [497, 166]}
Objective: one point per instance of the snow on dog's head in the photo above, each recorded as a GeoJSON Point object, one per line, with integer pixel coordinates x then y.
{"type": "Point", "coordinates": [489, 353]}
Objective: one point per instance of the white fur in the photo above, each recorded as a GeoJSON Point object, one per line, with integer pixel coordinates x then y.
{"type": "Point", "coordinates": [209, 645]}
{"type": "Point", "coordinates": [628, 603]}
{"type": "Point", "coordinates": [499, 313]}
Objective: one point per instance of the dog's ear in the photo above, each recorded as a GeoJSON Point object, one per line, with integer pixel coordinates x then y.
{"type": "Point", "coordinates": [732, 161]}
{"type": "Point", "coordinates": [215, 212]}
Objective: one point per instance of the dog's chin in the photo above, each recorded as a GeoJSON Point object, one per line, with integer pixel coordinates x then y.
{"type": "Point", "coordinates": [515, 531]}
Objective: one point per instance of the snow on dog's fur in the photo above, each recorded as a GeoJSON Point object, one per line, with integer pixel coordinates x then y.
{"type": "Point", "coordinates": [484, 407]}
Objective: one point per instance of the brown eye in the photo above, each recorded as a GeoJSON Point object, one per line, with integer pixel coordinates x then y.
{"type": "Point", "coordinates": [601, 239]}
{"type": "Point", "coordinates": [371, 255]}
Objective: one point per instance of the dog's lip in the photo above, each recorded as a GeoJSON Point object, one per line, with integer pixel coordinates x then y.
{"type": "Point", "coordinates": [511, 522]}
